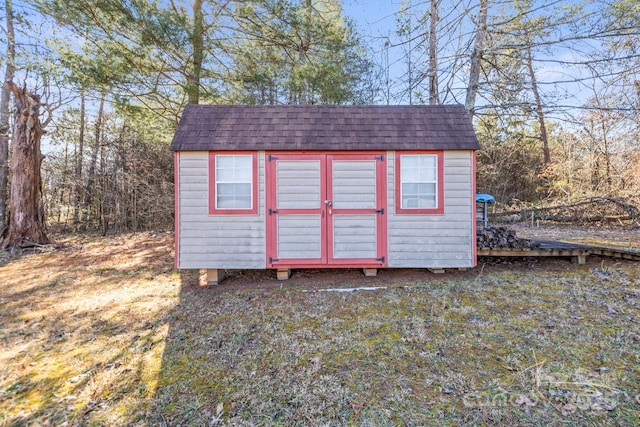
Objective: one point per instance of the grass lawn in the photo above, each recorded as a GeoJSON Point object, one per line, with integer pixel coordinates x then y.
{"type": "Point", "coordinates": [103, 331]}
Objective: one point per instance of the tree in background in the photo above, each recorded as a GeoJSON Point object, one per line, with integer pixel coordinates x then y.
{"type": "Point", "coordinates": [169, 53]}
{"type": "Point", "coordinates": [26, 224]}
{"type": "Point", "coordinates": [297, 53]}
{"type": "Point", "coordinates": [530, 64]}
{"type": "Point", "coordinates": [132, 64]}
{"type": "Point", "coordinates": [5, 99]}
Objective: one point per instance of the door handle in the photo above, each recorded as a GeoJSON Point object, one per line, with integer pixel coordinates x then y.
{"type": "Point", "coordinates": [328, 202]}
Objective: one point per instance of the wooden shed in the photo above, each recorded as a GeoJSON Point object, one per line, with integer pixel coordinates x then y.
{"type": "Point", "coordinates": [283, 187]}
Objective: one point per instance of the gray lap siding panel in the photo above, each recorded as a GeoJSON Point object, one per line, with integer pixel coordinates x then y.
{"type": "Point", "coordinates": [436, 241]}
{"type": "Point", "coordinates": [216, 241]}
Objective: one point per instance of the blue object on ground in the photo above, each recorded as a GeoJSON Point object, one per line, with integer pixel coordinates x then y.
{"type": "Point", "coordinates": [485, 198]}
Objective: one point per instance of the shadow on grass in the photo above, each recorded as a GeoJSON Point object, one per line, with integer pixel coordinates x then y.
{"type": "Point", "coordinates": [505, 348]}
{"type": "Point", "coordinates": [178, 395]}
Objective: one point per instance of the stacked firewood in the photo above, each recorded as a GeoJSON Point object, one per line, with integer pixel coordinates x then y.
{"type": "Point", "coordinates": [502, 238]}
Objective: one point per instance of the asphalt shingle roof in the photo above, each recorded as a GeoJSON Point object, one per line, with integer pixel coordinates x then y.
{"type": "Point", "coordinates": [324, 127]}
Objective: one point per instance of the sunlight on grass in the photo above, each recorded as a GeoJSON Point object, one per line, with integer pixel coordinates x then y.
{"type": "Point", "coordinates": [85, 343]}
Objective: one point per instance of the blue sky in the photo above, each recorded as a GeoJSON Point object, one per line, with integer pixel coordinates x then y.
{"type": "Point", "coordinates": [376, 23]}
{"type": "Point", "coordinates": [374, 18]}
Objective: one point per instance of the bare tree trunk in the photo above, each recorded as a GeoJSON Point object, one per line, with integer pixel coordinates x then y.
{"type": "Point", "coordinates": [303, 52]}
{"type": "Point", "coordinates": [197, 43]}
{"type": "Point", "coordinates": [79, 157]}
{"type": "Point", "coordinates": [433, 53]}
{"type": "Point", "coordinates": [476, 57]}
{"type": "Point", "coordinates": [607, 156]}
{"type": "Point", "coordinates": [26, 224]}
{"type": "Point", "coordinates": [4, 114]}
{"type": "Point", "coordinates": [91, 173]}
{"type": "Point", "coordinates": [105, 193]}
{"type": "Point", "coordinates": [539, 110]}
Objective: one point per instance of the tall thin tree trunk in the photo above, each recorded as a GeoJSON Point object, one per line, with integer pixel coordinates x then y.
{"type": "Point", "coordinates": [409, 57]}
{"type": "Point", "coordinates": [26, 223]}
{"type": "Point", "coordinates": [433, 53]}
{"type": "Point", "coordinates": [91, 173]}
{"type": "Point", "coordinates": [79, 157]}
{"type": "Point", "coordinates": [5, 98]}
{"type": "Point", "coordinates": [197, 43]}
{"type": "Point", "coordinates": [607, 157]}
{"type": "Point", "coordinates": [303, 52]}
{"type": "Point", "coordinates": [476, 57]}
{"type": "Point", "coordinates": [539, 109]}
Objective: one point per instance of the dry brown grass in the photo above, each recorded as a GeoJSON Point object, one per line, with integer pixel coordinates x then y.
{"type": "Point", "coordinates": [83, 330]}
{"type": "Point", "coordinates": [105, 332]}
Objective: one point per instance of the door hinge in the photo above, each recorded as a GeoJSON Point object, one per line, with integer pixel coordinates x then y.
{"type": "Point", "coordinates": [271, 157]}
{"type": "Point", "coordinates": [381, 259]}
{"type": "Point", "coordinates": [381, 158]}
{"type": "Point", "coordinates": [271, 211]}
{"type": "Point", "coordinates": [272, 260]}
{"type": "Point", "coordinates": [380, 211]}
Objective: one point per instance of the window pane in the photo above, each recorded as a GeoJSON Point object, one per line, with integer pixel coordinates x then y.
{"type": "Point", "coordinates": [410, 174]}
{"type": "Point", "coordinates": [242, 190]}
{"type": "Point", "coordinates": [231, 202]}
{"type": "Point", "coordinates": [224, 175]}
{"type": "Point", "coordinates": [410, 162]}
{"type": "Point", "coordinates": [428, 175]}
{"type": "Point", "coordinates": [427, 201]}
{"type": "Point", "coordinates": [243, 174]}
{"type": "Point", "coordinates": [234, 181]}
{"type": "Point", "coordinates": [224, 190]}
{"type": "Point", "coordinates": [410, 189]}
{"type": "Point", "coordinates": [427, 189]}
{"type": "Point", "coordinates": [224, 162]}
{"type": "Point", "coordinates": [243, 162]}
{"type": "Point", "coordinates": [428, 161]}
{"type": "Point", "coordinates": [418, 181]}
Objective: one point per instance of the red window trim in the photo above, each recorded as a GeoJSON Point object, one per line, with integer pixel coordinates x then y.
{"type": "Point", "coordinates": [212, 184]}
{"type": "Point", "coordinates": [439, 209]}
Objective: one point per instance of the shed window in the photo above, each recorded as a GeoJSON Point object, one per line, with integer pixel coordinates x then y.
{"type": "Point", "coordinates": [419, 183]}
{"type": "Point", "coordinates": [233, 183]}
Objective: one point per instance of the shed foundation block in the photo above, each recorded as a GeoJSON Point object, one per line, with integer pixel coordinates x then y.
{"type": "Point", "coordinates": [283, 274]}
{"type": "Point", "coordinates": [579, 259]}
{"type": "Point", "coordinates": [215, 276]}
{"type": "Point", "coordinates": [370, 272]}
{"type": "Point", "coordinates": [436, 270]}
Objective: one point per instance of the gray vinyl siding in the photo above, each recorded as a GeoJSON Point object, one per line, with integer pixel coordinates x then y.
{"type": "Point", "coordinates": [298, 187]}
{"type": "Point", "coordinates": [215, 241]}
{"type": "Point", "coordinates": [354, 184]}
{"type": "Point", "coordinates": [298, 184]}
{"type": "Point", "coordinates": [435, 241]}
{"type": "Point", "coordinates": [299, 236]}
{"type": "Point", "coordinates": [354, 236]}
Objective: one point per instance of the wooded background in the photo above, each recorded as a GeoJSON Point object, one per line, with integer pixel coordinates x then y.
{"type": "Point", "coordinates": [553, 87]}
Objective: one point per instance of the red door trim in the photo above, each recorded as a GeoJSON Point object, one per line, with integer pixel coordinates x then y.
{"type": "Point", "coordinates": [176, 207]}
{"type": "Point", "coordinates": [272, 217]}
{"type": "Point", "coordinates": [326, 260]}
{"type": "Point", "coordinates": [380, 210]}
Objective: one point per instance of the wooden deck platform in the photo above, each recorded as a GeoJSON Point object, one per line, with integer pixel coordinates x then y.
{"type": "Point", "coordinates": [547, 248]}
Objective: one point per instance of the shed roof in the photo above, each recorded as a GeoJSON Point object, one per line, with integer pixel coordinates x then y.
{"type": "Point", "coordinates": [324, 127]}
